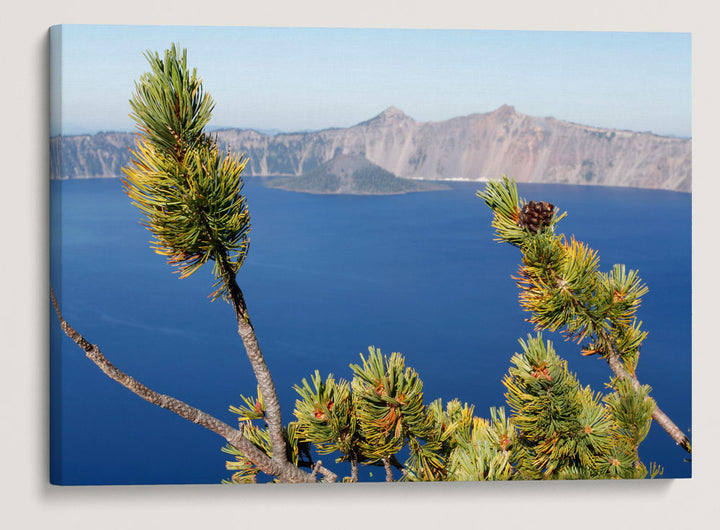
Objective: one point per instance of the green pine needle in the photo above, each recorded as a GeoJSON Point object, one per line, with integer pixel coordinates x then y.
{"type": "Point", "coordinates": [189, 192]}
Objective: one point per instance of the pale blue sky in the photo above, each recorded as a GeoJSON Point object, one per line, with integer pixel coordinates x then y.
{"type": "Point", "coordinates": [306, 79]}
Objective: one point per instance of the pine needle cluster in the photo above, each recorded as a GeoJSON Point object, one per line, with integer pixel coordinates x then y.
{"type": "Point", "coordinates": [563, 290]}
{"type": "Point", "coordinates": [561, 286]}
{"type": "Point", "coordinates": [566, 431]}
{"type": "Point", "coordinates": [557, 429]}
{"type": "Point", "coordinates": [188, 190]}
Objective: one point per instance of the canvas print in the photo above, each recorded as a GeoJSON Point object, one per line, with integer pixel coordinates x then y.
{"type": "Point", "coordinates": [368, 255]}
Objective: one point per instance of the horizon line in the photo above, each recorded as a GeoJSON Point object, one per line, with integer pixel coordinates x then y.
{"type": "Point", "coordinates": [275, 132]}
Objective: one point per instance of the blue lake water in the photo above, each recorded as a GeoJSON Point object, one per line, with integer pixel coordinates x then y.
{"type": "Point", "coordinates": [326, 277]}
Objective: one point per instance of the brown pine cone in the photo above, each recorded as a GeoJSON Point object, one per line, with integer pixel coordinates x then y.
{"type": "Point", "coordinates": [535, 215]}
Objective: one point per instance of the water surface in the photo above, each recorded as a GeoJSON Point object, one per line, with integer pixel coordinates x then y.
{"type": "Point", "coordinates": [326, 277]}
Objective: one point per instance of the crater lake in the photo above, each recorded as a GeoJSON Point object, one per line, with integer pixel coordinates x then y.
{"type": "Point", "coordinates": [326, 277]}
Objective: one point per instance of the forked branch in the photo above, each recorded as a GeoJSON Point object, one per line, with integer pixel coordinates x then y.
{"type": "Point", "coordinates": [257, 361]}
{"type": "Point", "coordinates": [235, 437]}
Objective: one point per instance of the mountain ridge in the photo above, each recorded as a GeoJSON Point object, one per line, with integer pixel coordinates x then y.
{"type": "Point", "coordinates": [478, 146]}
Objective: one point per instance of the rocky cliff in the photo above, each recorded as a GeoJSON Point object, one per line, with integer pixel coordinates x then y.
{"type": "Point", "coordinates": [82, 156]}
{"type": "Point", "coordinates": [474, 147]}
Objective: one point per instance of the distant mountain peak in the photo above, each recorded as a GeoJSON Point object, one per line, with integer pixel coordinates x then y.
{"type": "Point", "coordinates": [390, 115]}
{"type": "Point", "coordinates": [505, 110]}
{"type": "Point", "coordinates": [393, 112]}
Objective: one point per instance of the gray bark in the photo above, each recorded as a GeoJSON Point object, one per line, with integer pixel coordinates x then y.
{"type": "Point", "coordinates": [616, 365]}
{"type": "Point", "coordinates": [273, 415]}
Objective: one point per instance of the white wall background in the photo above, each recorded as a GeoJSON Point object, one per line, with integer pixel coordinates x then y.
{"type": "Point", "coordinates": [26, 498]}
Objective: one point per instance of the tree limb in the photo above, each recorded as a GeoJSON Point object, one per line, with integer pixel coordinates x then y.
{"type": "Point", "coordinates": [273, 415]}
{"type": "Point", "coordinates": [388, 470]}
{"type": "Point", "coordinates": [616, 365]}
{"type": "Point", "coordinates": [353, 467]}
{"type": "Point", "coordinates": [235, 437]}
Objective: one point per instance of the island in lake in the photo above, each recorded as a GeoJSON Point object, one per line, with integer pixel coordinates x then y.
{"type": "Point", "coordinates": [351, 175]}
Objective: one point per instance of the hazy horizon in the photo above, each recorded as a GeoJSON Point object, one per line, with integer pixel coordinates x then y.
{"type": "Point", "coordinates": [79, 131]}
{"type": "Point", "coordinates": [309, 79]}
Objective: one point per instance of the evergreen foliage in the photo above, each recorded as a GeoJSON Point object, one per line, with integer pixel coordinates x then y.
{"type": "Point", "coordinates": [557, 428]}
{"type": "Point", "coordinates": [190, 192]}
{"type": "Point", "coordinates": [561, 287]}
{"type": "Point", "coordinates": [565, 431]}
{"type": "Point", "coordinates": [560, 284]}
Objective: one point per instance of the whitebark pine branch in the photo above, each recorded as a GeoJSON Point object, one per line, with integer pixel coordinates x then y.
{"type": "Point", "coordinates": [273, 415]}
{"type": "Point", "coordinates": [616, 365]}
{"type": "Point", "coordinates": [388, 470]}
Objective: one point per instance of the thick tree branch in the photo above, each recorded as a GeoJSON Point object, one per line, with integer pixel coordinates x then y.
{"type": "Point", "coordinates": [319, 468]}
{"type": "Point", "coordinates": [354, 467]}
{"type": "Point", "coordinates": [329, 475]}
{"type": "Point", "coordinates": [270, 466]}
{"type": "Point", "coordinates": [388, 470]}
{"type": "Point", "coordinates": [273, 415]}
